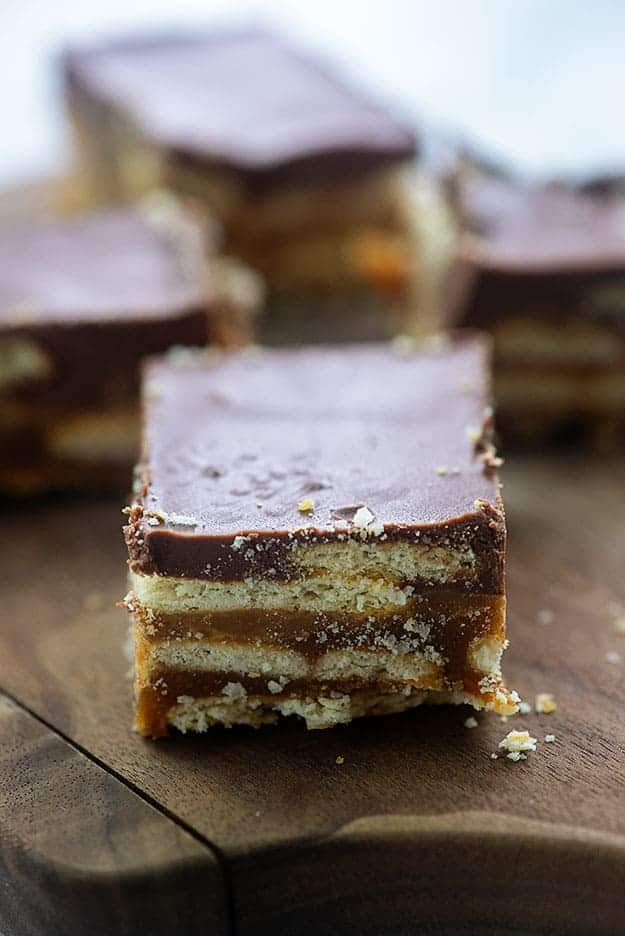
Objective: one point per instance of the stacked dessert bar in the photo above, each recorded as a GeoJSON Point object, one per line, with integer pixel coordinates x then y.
{"type": "Point", "coordinates": [305, 175]}
{"type": "Point", "coordinates": [316, 532]}
{"type": "Point", "coordinates": [82, 303]}
{"type": "Point", "coordinates": [543, 269]}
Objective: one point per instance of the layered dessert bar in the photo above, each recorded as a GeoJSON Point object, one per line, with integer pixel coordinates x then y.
{"type": "Point", "coordinates": [81, 303]}
{"type": "Point", "coordinates": [543, 269]}
{"type": "Point", "coordinates": [316, 532]}
{"type": "Point", "coordinates": [305, 174]}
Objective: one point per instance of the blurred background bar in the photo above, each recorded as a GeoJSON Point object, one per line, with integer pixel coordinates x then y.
{"type": "Point", "coordinates": [535, 85]}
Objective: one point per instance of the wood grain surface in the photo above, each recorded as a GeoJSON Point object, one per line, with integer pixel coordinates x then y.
{"type": "Point", "coordinates": [418, 830]}
{"type": "Point", "coordinates": [81, 853]}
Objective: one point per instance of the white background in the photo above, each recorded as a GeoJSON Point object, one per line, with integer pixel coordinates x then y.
{"type": "Point", "coordinates": [540, 83]}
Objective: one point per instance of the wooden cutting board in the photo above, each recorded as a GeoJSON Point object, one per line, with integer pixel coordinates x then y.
{"type": "Point", "coordinates": [417, 831]}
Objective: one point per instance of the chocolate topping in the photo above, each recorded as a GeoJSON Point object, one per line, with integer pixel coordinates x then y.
{"type": "Point", "coordinates": [242, 100]}
{"type": "Point", "coordinates": [547, 251]}
{"type": "Point", "coordinates": [391, 446]}
{"type": "Point", "coordinates": [547, 228]}
{"type": "Point", "coordinates": [91, 298]}
{"type": "Point", "coordinates": [107, 267]}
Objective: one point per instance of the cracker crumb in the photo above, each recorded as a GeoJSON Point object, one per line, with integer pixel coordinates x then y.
{"type": "Point", "coordinates": [442, 471]}
{"type": "Point", "coordinates": [94, 601]}
{"type": "Point", "coordinates": [619, 625]}
{"type": "Point", "coordinates": [403, 345]}
{"type": "Point", "coordinates": [550, 738]}
{"type": "Point", "coordinates": [473, 434]}
{"type": "Point", "coordinates": [437, 342]}
{"type": "Point", "coordinates": [362, 518]}
{"type": "Point", "coordinates": [471, 722]}
{"type": "Point", "coordinates": [306, 505]}
{"type": "Point", "coordinates": [516, 743]}
{"type": "Point", "coordinates": [525, 708]}
{"type": "Point", "coordinates": [234, 690]}
{"type": "Point", "coordinates": [365, 522]}
{"type": "Point", "coordinates": [494, 756]}
{"type": "Point", "coordinates": [181, 519]}
{"type": "Point", "coordinates": [259, 504]}
{"type": "Point", "coordinates": [613, 657]}
{"type": "Point", "coordinates": [545, 703]}
{"type": "Point", "coordinates": [339, 759]}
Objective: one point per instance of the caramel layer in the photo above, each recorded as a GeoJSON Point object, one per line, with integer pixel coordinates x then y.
{"type": "Point", "coordinates": [154, 705]}
{"type": "Point", "coordinates": [448, 623]}
{"type": "Point", "coordinates": [449, 643]}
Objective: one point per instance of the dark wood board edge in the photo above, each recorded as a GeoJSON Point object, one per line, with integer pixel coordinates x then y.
{"type": "Point", "coordinates": [462, 874]}
{"type": "Point", "coordinates": [80, 852]}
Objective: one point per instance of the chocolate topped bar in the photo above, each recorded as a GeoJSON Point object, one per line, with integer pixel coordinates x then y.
{"type": "Point", "coordinates": [242, 100]}
{"type": "Point", "coordinates": [316, 532]}
{"type": "Point", "coordinates": [306, 176]}
{"type": "Point", "coordinates": [359, 428]}
{"type": "Point", "coordinates": [81, 303]}
{"type": "Point", "coordinates": [543, 269]}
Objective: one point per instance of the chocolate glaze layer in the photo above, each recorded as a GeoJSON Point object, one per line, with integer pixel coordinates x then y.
{"type": "Point", "coordinates": [241, 100]}
{"type": "Point", "coordinates": [93, 297]}
{"type": "Point", "coordinates": [407, 437]}
{"type": "Point", "coordinates": [111, 266]}
{"type": "Point", "coordinates": [543, 228]}
{"type": "Point", "coordinates": [542, 252]}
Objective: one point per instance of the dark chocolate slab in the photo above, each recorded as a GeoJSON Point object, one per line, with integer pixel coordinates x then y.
{"type": "Point", "coordinates": [243, 100]}
{"type": "Point", "coordinates": [406, 436]}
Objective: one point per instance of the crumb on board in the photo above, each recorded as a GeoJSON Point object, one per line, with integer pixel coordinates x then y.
{"type": "Point", "coordinates": [550, 738]}
{"type": "Point", "coordinates": [524, 708]}
{"type": "Point", "coordinates": [94, 601]}
{"type": "Point", "coordinates": [516, 743]}
{"type": "Point", "coordinates": [471, 722]}
{"type": "Point", "coordinates": [494, 756]}
{"type": "Point", "coordinates": [442, 470]}
{"type": "Point", "coordinates": [339, 759]}
{"type": "Point", "coordinates": [306, 506]}
{"type": "Point", "coordinates": [613, 657]}
{"type": "Point", "coordinates": [545, 703]}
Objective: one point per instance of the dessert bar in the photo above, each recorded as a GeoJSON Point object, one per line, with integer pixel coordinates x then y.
{"type": "Point", "coordinates": [305, 174]}
{"type": "Point", "coordinates": [82, 302]}
{"type": "Point", "coordinates": [543, 269]}
{"type": "Point", "coordinates": [316, 532]}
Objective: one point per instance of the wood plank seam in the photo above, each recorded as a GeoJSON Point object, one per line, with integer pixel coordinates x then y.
{"type": "Point", "coordinates": [146, 798]}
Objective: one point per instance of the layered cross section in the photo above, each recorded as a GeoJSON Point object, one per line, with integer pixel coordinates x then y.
{"type": "Point", "coordinates": [316, 532]}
